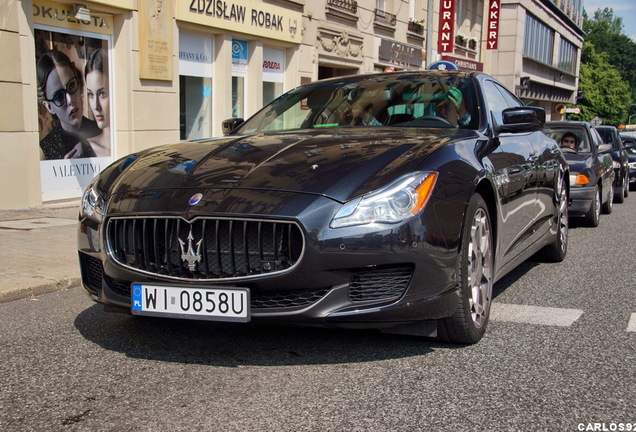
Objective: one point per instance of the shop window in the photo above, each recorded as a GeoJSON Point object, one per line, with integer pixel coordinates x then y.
{"type": "Point", "coordinates": [195, 86]}
{"type": "Point", "coordinates": [238, 96]}
{"type": "Point", "coordinates": [273, 74]}
{"type": "Point", "coordinates": [195, 107]}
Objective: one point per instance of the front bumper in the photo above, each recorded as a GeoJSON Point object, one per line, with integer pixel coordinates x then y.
{"type": "Point", "coordinates": [580, 200]}
{"type": "Point", "coordinates": [352, 278]}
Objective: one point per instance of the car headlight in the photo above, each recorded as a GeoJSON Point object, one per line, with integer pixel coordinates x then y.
{"type": "Point", "coordinates": [632, 165]}
{"type": "Point", "coordinates": [398, 201]}
{"type": "Point", "coordinates": [93, 205]}
{"type": "Point", "coordinates": [579, 179]}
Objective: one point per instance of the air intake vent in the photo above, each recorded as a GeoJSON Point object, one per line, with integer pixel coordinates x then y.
{"type": "Point", "coordinates": [380, 284]}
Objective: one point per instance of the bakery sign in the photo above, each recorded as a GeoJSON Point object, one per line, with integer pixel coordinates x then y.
{"type": "Point", "coordinates": [494, 7]}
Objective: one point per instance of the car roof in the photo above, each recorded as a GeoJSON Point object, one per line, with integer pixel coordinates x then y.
{"type": "Point", "coordinates": [413, 73]}
{"type": "Point", "coordinates": [565, 124]}
{"type": "Point", "coordinates": [606, 127]}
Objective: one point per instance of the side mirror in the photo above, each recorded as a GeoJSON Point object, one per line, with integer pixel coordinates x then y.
{"type": "Point", "coordinates": [605, 148]}
{"type": "Point", "coordinates": [522, 119]}
{"type": "Point", "coordinates": [230, 124]}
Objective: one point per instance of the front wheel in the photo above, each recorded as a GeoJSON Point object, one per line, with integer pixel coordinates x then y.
{"type": "Point", "coordinates": [557, 250]}
{"type": "Point", "coordinates": [609, 204]}
{"type": "Point", "coordinates": [593, 215]}
{"type": "Point", "coordinates": [476, 265]}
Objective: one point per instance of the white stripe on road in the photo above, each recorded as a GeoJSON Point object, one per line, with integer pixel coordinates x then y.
{"type": "Point", "coordinates": [631, 326]}
{"type": "Point", "coordinates": [534, 314]}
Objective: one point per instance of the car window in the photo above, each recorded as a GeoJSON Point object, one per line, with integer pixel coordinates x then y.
{"type": "Point", "coordinates": [420, 100]}
{"type": "Point", "coordinates": [495, 100]}
{"type": "Point", "coordinates": [609, 136]}
{"type": "Point", "coordinates": [511, 99]}
{"type": "Point", "coordinates": [596, 138]}
{"type": "Point", "coordinates": [582, 141]}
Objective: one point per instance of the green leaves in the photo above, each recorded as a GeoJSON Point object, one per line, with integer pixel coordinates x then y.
{"type": "Point", "coordinates": [608, 70]}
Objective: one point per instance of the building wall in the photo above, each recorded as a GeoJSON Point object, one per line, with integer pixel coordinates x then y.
{"type": "Point", "coordinates": [320, 39]}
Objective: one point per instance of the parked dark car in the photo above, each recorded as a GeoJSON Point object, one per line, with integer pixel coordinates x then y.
{"type": "Point", "coordinates": [609, 135]}
{"type": "Point", "coordinates": [591, 170]}
{"type": "Point", "coordinates": [350, 202]}
{"type": "Point", "coordinates": [629, 142]}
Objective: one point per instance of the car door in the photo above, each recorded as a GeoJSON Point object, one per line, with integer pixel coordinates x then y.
{"type": "Point", "coordinates": [605, 161]}
{"type": "Point", "coordinates": [515, 178]}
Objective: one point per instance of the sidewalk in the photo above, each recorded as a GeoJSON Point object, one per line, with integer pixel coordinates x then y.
{"type": "Point", "coordinates": [38, 250]}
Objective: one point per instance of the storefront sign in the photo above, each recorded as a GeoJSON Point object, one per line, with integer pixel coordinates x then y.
{"type": "Point", "coordinates": [239, 57]}
{"type": "Point", "coordinates": [465, 64]}
{"type": "Point", "coordinates": [63, 15]}
{"type": "Point", "coordinates": [399, 54]}
{"type": "Point", "coordinates": [273, 65]}
{"type": "Point", "coordinates": [195, 55]}
{"type": "Point", "coordinates": [494, 7]}
{"type": "Point", "coordinates": [445, 37]}
{"type": "Point", "coordinates": [244, 16]}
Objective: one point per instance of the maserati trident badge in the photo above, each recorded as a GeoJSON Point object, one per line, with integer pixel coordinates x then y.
{"type": "Point", "coordinates": [190, 256]}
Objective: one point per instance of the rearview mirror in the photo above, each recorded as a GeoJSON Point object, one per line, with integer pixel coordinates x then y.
{"type": "Point", "coordinates": [230, 124]}
{"type": "Point", "coordinates": [605, 148]}
{"type": "Point", "coordinates": [522, 119]}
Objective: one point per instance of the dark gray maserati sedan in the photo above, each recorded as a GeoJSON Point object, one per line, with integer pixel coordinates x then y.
{"type": "Point", "coordinates": [390, 201]}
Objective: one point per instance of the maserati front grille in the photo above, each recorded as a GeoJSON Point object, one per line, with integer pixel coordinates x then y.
{"type": "Point", "coordinates": [204, 248]}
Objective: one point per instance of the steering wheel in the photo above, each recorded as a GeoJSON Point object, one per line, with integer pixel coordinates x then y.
{"type": "Point", "coordinates": [566, 149]}
{"type": "Point", "coordinates": [437, 121]}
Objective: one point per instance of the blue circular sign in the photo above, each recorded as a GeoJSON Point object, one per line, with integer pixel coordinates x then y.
{"type": "Point", "coordinates": [443, 65]}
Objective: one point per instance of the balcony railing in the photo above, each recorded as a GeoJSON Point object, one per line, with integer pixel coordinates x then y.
{"type": "Point", "coordinates": [350, 6]}
{"type": "Point", "coordinates": [416, 28]}
{"type": "Point", "coordinates": [386, 18]}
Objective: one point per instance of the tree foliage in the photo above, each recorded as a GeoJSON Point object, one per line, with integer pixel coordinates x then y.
{"type": "Point", "coordinates": [607, 52]}
{"type": "Point", "coordinates": [607, 94]}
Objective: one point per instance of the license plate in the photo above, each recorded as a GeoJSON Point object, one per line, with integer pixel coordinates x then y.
{"type": "Point", "coordinates": [213, 304]}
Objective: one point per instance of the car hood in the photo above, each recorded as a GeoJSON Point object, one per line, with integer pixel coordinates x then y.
{"type": "Point", "coordinates": [338, 164]}
{"type": "Point", "coordinates": [579, 161]}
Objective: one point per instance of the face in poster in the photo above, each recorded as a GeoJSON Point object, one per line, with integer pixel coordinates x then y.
{"type": "Point", "coordinates": [73, 95]}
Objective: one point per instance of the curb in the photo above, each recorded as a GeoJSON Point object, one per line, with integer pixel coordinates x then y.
{"type": "Point", "coordinates": [44, 288]}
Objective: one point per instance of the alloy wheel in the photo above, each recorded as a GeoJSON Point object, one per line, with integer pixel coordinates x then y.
{"type": "Point", "coordinates": [480, 269]}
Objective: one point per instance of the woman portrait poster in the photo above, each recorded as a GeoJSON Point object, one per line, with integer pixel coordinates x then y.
{"type": "Point", "coordinates": [73, 96]}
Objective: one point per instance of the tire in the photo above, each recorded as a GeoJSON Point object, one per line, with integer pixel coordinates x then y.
{"type": "Point", "coordinates": [619, 196]}
{"type": "Point", "coordinates": [476, 266]}
{"type": "Point", "coordinates": [608, 206]}
{"type": "Point", "coordinates": [593, 215]}
{"type": "Point", "coordinates": [626, 185]}
{"type": "Point", "coordinates": [556, 251]}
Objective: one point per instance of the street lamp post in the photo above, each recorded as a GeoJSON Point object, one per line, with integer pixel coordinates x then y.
{"type": "Point", "coordinates": [629, 120]}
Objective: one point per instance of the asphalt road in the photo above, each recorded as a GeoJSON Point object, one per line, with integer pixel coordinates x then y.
{"type": "Point", "coordinates": [559, 355]}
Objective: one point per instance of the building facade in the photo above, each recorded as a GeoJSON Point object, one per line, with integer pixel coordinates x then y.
{"type": "Point", "coordinates": [86, 84]}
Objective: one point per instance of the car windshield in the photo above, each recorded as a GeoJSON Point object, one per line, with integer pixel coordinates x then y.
{"type": "Point", "coordinates": [570, 138]}
{"type": "Point", "coordinates": [441, 100]}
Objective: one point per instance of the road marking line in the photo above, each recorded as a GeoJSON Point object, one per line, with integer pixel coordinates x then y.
{"type": "Point", "coordinates": [534, 314]}
{"type": "Point", "coordinates": [631, 326]}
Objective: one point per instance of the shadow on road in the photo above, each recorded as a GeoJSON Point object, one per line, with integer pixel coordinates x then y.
{"type": "Point", "coordinates": [235, 345]}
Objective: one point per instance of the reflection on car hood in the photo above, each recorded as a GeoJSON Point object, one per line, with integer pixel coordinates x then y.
{"type": "Point", "coordinates": [578, 161]}
{"type": "Point", "coordinates": [340, 163]}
